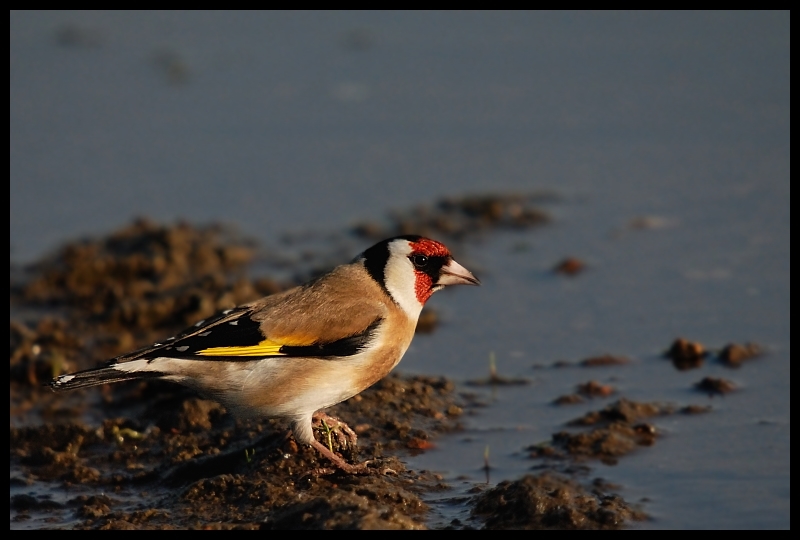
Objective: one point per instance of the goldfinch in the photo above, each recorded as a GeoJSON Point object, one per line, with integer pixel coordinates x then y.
{"type": "Point", "coordinates": [294, 353]}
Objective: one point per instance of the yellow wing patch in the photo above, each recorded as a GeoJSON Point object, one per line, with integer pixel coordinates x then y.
{"type": "Point", "coordinates": [265, 348]}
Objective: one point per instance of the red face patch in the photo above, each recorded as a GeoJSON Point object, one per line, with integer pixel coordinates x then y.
{"type": "Point", "coordinates": [423, 285]}
{"type": "Point", "coordinates": [431, 248]}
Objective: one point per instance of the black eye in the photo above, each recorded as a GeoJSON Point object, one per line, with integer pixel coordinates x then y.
{"type": "Point", "coordinates": [419, 261]}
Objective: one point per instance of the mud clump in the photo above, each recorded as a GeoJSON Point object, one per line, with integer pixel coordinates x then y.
{"type": "Point", "coordinates": [686, 354]}
{"type": "Point", "coordinates": [459, 217]}
{"type": "Point", "coordinates": [551, 502]}
{"type": "Point", "coordinates": [715, 386]}
{"type": "Point", "coordinates": [595, 389]}
{"type": "Point", "coordinates": [605, 360]}
{"type": "Point", "coordinates": [689, 355]}
{"type": "Point", "coordinates": [568, 399]}
{"type": "Point", "coordinates": [606, 443]}
{"type": "Point", "coordinates": [617, 430]}
{"type": "Point", "coordinates": [570, 267]}
{"type": "Point", "coordinates": [144, 280]}
{"type": "Point", "coordinates": [622, 410]}
{"type": "Point", "coordinates": [139, 261]}
{"type": "Point", "coordinates": [733, 355]}
{"type": "Point", "coordinates": [591, 389]}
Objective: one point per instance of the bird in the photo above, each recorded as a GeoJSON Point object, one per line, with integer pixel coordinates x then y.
{"type": "Point", "coordinates": [297, 352]}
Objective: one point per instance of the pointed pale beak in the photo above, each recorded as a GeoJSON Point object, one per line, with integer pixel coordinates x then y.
{"type": "Point", "coordinates": [454, 274]}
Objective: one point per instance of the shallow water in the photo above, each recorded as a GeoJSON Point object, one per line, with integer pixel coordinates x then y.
{"type": "Point", "coordinates": [665, 136]}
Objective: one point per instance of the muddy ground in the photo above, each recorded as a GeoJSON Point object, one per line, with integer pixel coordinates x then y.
{"type": "Point", "coordinates": [154, 455]}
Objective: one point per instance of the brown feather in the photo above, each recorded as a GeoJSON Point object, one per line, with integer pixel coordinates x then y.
{"type": "Point", "coordinates": [340, 304]}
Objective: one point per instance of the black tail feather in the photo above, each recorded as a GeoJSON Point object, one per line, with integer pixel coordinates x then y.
{"type": "Point", "coordinates": [98, 376]}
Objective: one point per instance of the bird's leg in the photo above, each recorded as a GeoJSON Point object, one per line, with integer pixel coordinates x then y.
{"type": "Point", "coordinates": [337, 434]}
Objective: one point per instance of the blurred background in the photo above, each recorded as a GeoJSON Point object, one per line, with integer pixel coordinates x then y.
{"type": "Point", "coordinates": [663, 138]}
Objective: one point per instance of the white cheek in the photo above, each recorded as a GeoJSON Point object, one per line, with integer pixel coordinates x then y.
{"type": "Point", "coordinates": [401, 278]}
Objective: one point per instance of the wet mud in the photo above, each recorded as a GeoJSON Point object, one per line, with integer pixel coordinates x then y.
{"type": "Point", "coordinates": [154, 455]}
{"type": "Point", "coordinates": [550, 501]}
{"type": "Point", "coordinates": [190, 465]}
{"type": "Point", "coordinates": [461, 217]}
{"type": "Point", "coordinates": [715, 386]}
{"type": "Point", "coordinates": [615, 431]}
{"type": "Point", "coordinates": [590, 389]}
{"type": "Point", "coordinates": [734, 354]}
{"type": "Point", "coordinates": [687, 354]}
{"type": "Point", "coordinates": [570, 267]}
{"type": "Point", "coordinates": [605, 360]}
{"type": "Point", "coordinates": [150, 454]}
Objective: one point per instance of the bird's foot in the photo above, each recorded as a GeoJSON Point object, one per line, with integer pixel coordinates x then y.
{"type": "Point", "coordinates": [335, 433]}
{"type": "Point", "coordinates": [362, 468]}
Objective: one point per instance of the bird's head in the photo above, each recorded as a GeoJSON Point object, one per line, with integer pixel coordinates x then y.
{"type": "Point", "coordinates": [411, 268]}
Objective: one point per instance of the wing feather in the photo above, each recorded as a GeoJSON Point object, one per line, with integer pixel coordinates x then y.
{"type": "Point", "coordinates": [332, 317]}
